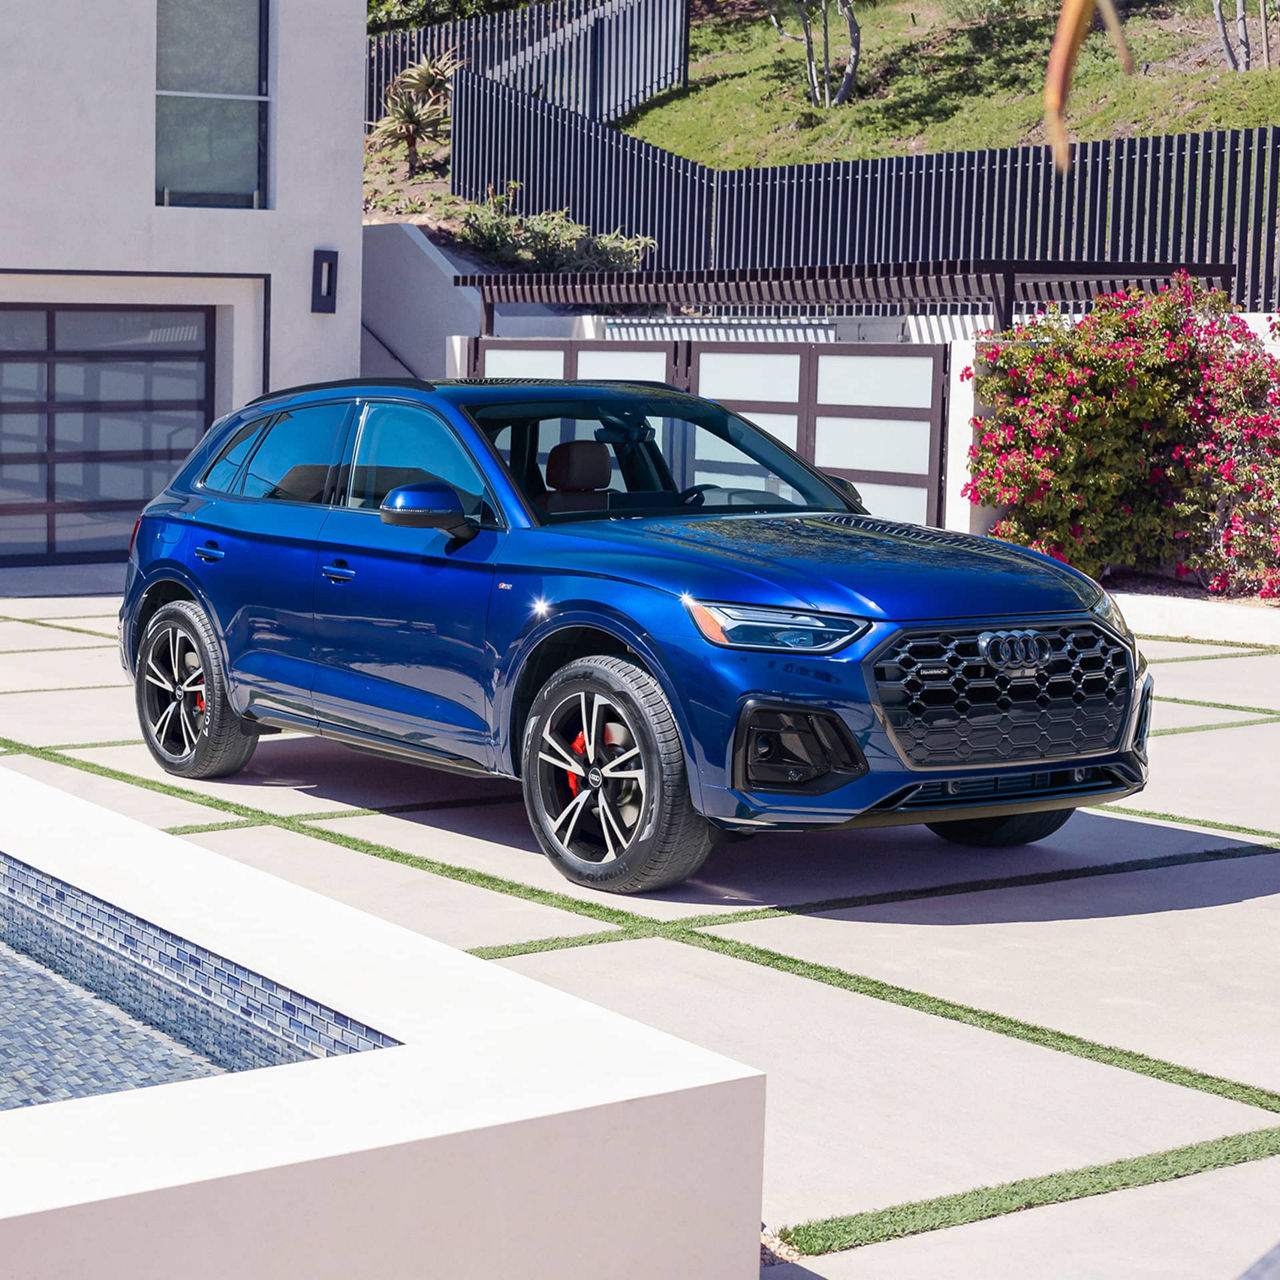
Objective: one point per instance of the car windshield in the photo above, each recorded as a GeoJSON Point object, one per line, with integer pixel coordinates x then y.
{"type": "Point", "coordinates": [599, 457]}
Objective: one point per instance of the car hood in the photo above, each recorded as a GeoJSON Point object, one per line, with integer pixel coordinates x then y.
{"type": "Point", "coordinates": [838, 563]}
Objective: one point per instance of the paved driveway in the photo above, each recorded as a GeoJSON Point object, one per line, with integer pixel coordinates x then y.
{"type": "Point", "coordinates": [1093, 1014]}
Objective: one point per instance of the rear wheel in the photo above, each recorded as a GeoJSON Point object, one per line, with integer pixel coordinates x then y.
{"type": "Point", "coordinates": [181, 695]}
{"type": "Point", "coordinates": [997, 833]}
{"type": "Point", "coordinates": [605, 783]}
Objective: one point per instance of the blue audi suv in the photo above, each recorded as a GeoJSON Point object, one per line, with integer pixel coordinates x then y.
{"type": "Point", "coordinates": [667, 625]}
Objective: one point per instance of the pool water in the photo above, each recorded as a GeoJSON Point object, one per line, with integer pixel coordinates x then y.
{"type": "Point", "coordinates": [59, 1041]}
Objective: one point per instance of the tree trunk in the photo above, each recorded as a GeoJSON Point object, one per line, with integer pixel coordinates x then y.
{"type": "Point", "coordinates": [845, 92]}
{"type": "Point", "coordinates": [810, 60]}
{"type": "Point", "coordinates": [826, 53]}
{"type": "Point", "coordinates": [411, 147]}
{"type": "Point", "coordinates": [1242, 36]}
{"type": "Point", "coordinates": [1222, 35]}
{"type": "Point", "coordinates": [1266, 38]}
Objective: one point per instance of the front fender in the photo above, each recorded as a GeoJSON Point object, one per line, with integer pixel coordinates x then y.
{"type": "Point", "coordinates": [572, 615]}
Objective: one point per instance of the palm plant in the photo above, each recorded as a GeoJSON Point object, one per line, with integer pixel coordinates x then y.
{"type": "Point", "coordinates": [411, 120]}
{"type": "Point", "coordinates": [430, 78]}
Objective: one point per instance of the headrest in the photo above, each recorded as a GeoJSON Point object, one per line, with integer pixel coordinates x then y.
{"type": "Point", "coordinates": [579, 466]}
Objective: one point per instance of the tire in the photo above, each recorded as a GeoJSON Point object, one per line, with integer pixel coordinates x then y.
{"type": "Point", "coordinates": [1000, 833]}
{"type": "Point", "coordinates": [195, 735]}
{"type": "Point", "coordinates": [634, 831]}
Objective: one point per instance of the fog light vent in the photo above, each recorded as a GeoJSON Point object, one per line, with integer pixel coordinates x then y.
{"type": "Point", "coordinates": [794, 749]}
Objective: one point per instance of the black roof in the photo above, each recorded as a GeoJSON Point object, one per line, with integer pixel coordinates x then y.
{"type": "Point", "coordinates": [419, 384]}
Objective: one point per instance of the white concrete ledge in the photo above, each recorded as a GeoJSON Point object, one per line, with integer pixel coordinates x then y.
{"type": "Point", "coordinates": [1151, 615]}
{"type": "Point", "coordinates": [516, 1131]}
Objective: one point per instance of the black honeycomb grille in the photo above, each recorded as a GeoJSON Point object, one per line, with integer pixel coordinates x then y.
{"type": "Point", "coordinates": [945, 706]}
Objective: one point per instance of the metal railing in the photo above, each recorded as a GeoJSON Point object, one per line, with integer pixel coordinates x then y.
{"type": "Point", "coordinates": [1207, 197]}
{"type": "Point", "coordinates": [601, 58]}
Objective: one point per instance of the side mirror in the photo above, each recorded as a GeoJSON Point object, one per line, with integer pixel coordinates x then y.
{"type": "Point", "coordinates": [850, 491]}
{"type": "Point", "coordinates": [427, 506]}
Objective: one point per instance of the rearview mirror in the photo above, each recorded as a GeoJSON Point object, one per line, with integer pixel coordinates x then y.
{"type": "Point", "coordinates": [427, 506]}
{"type": "Point", "coordinates": [850, 491]}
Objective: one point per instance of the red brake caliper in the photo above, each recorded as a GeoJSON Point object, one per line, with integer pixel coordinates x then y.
{"type": "Point", "coordinates": [579, 748]}
{"type": "Point", "coordinates": [200, 699]}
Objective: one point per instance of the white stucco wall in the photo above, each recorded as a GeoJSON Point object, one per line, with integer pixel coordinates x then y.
{"type": "Point", "coordinates": [77, 173]}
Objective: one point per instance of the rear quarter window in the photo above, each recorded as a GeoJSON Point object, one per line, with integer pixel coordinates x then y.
{"type": "Point", "coordinates": [222, 474]}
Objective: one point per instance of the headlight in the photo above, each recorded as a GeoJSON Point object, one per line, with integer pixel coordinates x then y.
{"type": "Point", "coordinates": [741, 626]}
{"type": "Point", "coordinates": [1107, 609]}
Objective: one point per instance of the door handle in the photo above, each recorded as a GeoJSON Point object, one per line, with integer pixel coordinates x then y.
{"type": "Point", "coordinates": [339, 571]}
{"type": "Point", "coordinates": [210, 551]}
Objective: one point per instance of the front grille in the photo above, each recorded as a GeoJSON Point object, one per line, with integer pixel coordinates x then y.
{"type": "Point", "coordinates": [945, 706]}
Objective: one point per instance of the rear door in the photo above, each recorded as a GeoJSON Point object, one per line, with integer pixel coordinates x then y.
{"type": "Point", "coordinates": [253, 549]}
{"type": "Point", "coordinates": [400, 612]}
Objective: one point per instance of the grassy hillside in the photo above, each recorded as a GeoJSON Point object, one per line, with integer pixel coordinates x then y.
{"type": "Point", "coordinates": [931, 83]}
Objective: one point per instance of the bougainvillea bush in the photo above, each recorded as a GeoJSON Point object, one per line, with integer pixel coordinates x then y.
{"type": "Point", "coordinates": [1144, 435]}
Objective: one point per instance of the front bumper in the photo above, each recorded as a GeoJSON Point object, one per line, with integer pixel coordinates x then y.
{"type": "Point", "coordinates": [891, 791]}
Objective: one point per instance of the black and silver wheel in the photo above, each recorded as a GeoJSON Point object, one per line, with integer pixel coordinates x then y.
{"type": "Point", "coordinates": [181, 695]}
{"type": "Point", "coordinates": [1001, 833]}
{"type": "Point", "coordinates": [605, 783]}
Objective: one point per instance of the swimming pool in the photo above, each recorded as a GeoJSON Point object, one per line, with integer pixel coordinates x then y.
{"type": "Point", "coordinates": [93, 998]}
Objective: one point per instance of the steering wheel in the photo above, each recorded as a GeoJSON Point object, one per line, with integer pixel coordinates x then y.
{"type": "Point", "coordinates": [695, 495]}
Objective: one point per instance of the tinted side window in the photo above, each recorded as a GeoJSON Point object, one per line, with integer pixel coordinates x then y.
{"type": "Point", "coordinates": [226, 467]}
{"type": "Point", "coordinates": [292, 463]}
{"type": "Point", "coordinates": [400, 445]}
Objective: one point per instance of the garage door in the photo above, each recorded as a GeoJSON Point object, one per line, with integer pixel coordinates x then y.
{"type": "Point", "coordinates": [98, 405]}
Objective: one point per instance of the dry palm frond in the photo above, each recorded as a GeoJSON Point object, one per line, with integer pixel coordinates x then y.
{"type": "Point", "coordinates": [1073, 25]}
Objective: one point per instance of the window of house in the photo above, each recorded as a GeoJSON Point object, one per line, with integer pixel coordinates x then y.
{"type": "Point", "coordinates": [211, 103]}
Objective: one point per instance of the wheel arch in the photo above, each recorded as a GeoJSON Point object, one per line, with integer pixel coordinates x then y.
{"type": "Point", "coordinates": [546, 651]}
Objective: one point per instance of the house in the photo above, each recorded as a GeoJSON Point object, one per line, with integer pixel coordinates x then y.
{"type": "Point", "coordinates": [180, 209]}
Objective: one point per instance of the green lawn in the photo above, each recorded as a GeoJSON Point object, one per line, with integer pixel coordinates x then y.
{"type": "Point", "coordinates": [929, 83]}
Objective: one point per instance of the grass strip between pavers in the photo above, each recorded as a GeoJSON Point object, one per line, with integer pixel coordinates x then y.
{"type": "Point", "coordinates": [1214, 657]}
{"type": "Point", "coordinates": [849, 1232]}
{"type": "Point", "coordinates": [1218, 706]}
{"type": "Point", "coordinates": [56, 626]}
{"type": "Point", "coordinates": [1204, 728]}
{"type": "Point", "coordinates": [1217, 644]}
{"type": "Point", "coordinates": [65, 688]}
{"type": "Point", "coordinates": [1235, 828]}
{"type": "Point", "coordinates": [202, 828]}
{"type": "Point", "coordinates": [63, 648]}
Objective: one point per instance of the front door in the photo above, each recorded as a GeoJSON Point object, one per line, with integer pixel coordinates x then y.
{"type": "Point", "coordinates": [400, 612]}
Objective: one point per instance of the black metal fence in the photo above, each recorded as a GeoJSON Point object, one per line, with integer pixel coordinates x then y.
{"type": "Point", "coordinates": [607, 179]}
{"type": "Point", "coordinates": [600, 58]}
{"type": "Point", "coordinates": [1183, 198]}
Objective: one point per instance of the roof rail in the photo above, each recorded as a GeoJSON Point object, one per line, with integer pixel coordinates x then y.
{"type": "Point", "coordinates": [417, 384]}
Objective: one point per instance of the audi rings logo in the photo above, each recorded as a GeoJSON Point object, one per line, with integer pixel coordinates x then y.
{"type": "Point", "coordinates": [1016, 651]}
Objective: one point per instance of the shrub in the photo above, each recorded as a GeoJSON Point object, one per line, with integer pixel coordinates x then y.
{"type": "Point", "coordinates": [1145, 435]}
{"type": "Point", "coordinates": [549, 241]}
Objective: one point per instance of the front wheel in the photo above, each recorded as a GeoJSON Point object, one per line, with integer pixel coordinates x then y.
{"type": "Point", "coordinates": [1000, 833]}
{"type": "Point", "coordinates": [605, 783]}
{"type": "Point", "coordinates": [181, 695]}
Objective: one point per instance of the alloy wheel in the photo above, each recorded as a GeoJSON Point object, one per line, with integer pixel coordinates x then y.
{"type": "Point", "coordinates": [174, 692]}
{"type": "Point", "coordinates": [591, 777]}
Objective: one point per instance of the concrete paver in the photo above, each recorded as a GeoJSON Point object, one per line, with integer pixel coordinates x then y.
{"type": "Point", "coordinates": [784, 869]}
{"type": "Point", "coordinates": [73, 668]}
{"type": "Point", "coordinates": [1212, 1226]}
{"type": "Point", "coordinates": [872, 1104]}
{"type": "Point", "coordinates": [16, 636]}
{"type": "Point", "coordinates": [74, 715]}
{"type": "Point", "coordinates": [1166, 962]}
{"type": "Point", "coordinates": [49, 606]}
{"type": "Point", "coordinates": [458, 914]}
{"type": "Point", "coordinates": [293, 775]}
{"type": "Point", "coordinates": [152, 807]}
{"type": "Point", "coordinates": [1241, 682]}
{"type": "Point", "coordinates": [103, 625]}
{"type": "Point", "coordinates": [1223, 777]}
